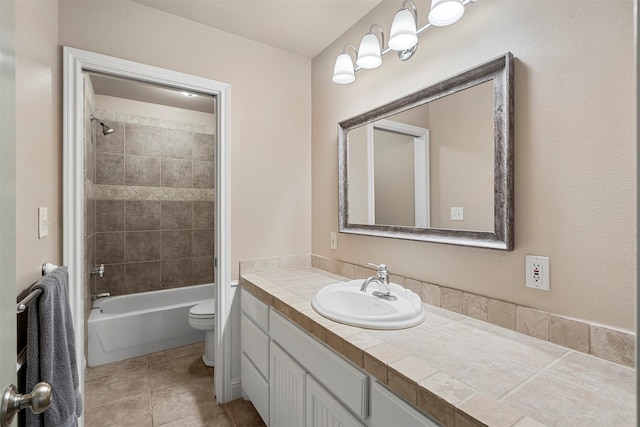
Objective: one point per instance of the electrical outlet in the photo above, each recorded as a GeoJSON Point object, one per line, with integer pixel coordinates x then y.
{"type": "Point", "coordinates": [457, 214]}
{"type": "Point", "coordinates": [43, 222]}
{"type": "Point", "coordinates": [334, 240]}
{"type": "Point", "coordinates": [537, 272]}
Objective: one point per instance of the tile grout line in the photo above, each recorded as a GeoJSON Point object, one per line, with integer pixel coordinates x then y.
{"type": "Point", "coordinates": [538, 373]}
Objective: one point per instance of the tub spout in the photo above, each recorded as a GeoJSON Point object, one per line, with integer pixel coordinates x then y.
{"type": "Point", "coordinates": [98, 296]}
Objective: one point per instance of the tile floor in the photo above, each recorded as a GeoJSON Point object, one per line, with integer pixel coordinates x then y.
{"type": "Point", "coordinates": [172, 388]}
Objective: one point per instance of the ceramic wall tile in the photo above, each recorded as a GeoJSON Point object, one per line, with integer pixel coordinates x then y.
{"type": "Point", "coordinates": [532, 322]}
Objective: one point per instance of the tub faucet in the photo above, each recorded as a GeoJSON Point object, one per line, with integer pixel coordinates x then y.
{"type": "Point", "coordinates": [382, 279]}
{"type": "Point", "coordinates": [98, 296]}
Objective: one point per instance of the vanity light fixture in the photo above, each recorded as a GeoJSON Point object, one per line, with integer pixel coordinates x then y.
{"type": "Point", "coordinates": [188, 94]}
{"type": "Point", "coordinates": [403, 37]}
{"type": "Point", "coordinates": [343, 71]}
{"type": "Point", "coordinates": [445, 12]}
{"type": "Point", "coordinates": [404, 28]}
{"type": "Point", "coordinates": [369, 53]}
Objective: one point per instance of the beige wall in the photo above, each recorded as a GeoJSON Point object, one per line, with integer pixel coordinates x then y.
{"type": "Point", "coordinates": [38, 138]}
{"type": "Point", "coordinates": [270, 111]}
{"type": "Point", "coordinates": [575, 187]}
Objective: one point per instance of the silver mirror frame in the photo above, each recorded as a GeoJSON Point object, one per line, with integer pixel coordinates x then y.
{"type": "Point", "coordinates": [498, 70]}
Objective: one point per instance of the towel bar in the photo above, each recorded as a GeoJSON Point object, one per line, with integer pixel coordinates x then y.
{"type": "Point", "coordinates": [22, 305]}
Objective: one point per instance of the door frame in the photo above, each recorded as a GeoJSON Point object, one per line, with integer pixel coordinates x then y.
{"type": "Point", "coordinates": [76, 62]}
{"type": "Point", "coordinates": [421, 177]}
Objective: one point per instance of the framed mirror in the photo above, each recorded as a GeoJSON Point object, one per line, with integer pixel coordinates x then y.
{"type": "Point", "coordinates": [435, 165]}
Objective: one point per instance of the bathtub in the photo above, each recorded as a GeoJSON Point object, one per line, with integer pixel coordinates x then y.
{"type": "Point", "coordinates": [125, 326]}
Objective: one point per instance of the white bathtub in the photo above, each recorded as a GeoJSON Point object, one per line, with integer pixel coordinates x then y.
{"type": "Point", "coordinates": [126, 326]}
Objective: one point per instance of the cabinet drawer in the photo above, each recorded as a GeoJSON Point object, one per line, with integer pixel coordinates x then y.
{"type": "Point", "coordinates": [256, 388]}
{"type": "Point", "coordinates": [255, 344]}
{"type": "Point", "coordinates": [347, 383]}
{"type": "Point", "coordinates": [255, 310]}
{"type": "Point", "coordinates": [389, 410]}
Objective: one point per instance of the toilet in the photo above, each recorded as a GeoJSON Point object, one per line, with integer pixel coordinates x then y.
{"type": "Point", "coordinates": [203, 317]}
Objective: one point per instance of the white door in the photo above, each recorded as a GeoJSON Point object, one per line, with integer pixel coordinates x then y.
{"type": "Point", "coordinates": [7, 196]}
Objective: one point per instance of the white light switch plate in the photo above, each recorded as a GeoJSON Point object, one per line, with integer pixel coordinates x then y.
{"type": "Point", "coordinates": [43, 222]}
{"type": "Point", "coordinates": [334, 240]}
{"type": "Point", "coordinates": [457, 214]}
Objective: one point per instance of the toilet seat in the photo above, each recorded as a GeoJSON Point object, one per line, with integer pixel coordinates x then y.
{"type": "Point", "coordinates": [203, 310]}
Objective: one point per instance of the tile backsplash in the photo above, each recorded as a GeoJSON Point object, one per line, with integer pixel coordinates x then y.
{"type": "Point", "coordinates": [153, 198]}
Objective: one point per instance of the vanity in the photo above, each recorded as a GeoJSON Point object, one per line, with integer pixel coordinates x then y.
{"type": "Point", "coordinates": [301, 369]}
{"type": "Point", "coordinates": [294, 379]}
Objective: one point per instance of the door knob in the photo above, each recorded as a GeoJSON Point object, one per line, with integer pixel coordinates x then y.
{"type": "Point", "coordinates": [12, 402]}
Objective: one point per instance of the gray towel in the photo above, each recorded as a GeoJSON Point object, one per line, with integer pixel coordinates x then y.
{"type": "Point", "coordinates": [51, 354]}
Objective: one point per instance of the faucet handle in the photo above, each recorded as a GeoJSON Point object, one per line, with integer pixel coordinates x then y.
{"type": "Point", "coordinates": [382, 268]}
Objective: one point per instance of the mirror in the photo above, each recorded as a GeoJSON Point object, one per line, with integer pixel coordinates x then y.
{"type": "Point", "coordinates": [436, 165]}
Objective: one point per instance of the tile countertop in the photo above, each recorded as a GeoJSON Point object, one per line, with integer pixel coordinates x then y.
{"type": "Point", "coordinates": [462, 371]}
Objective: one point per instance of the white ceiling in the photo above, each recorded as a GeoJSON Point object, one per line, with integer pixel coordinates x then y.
{"type": "Point", "coordinates": [146, 92]}
{"type": "Point", "coordinates": [304, 27]}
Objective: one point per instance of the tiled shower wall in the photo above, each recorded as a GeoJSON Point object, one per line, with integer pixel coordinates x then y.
{"type": "Point", "coordinates": [154, 209]}
{"type": "Point", "coordinates": [89, 202]}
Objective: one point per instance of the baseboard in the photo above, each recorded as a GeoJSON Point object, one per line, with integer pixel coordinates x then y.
{"type": "Point", "coordinates": [236, 388]}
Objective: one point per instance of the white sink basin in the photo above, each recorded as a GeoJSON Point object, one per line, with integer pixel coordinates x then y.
{"type": "Point", "coordinates": [345, 303]}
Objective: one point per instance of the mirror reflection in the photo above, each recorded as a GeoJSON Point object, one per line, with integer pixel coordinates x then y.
{"type": "Point", "coordinates": [429, 167]}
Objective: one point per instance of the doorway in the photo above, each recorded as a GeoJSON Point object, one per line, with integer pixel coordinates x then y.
{"type": "Point", "coordinates": [76, 64]}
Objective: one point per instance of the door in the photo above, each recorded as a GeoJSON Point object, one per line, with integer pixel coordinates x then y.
{"type": "Point", "coordinates": [286, 390]}
{"type": "Point", "coordinates": [7, 196]}
{"type": "Point", "coordinates": [323, 410]}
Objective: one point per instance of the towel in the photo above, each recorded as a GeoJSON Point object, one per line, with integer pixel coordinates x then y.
{"type": "Point", "coordinates": [51, 354]}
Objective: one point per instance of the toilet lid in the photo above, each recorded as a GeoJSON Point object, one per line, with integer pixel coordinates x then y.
{"type": "Point", "coordinates": [204, 309]}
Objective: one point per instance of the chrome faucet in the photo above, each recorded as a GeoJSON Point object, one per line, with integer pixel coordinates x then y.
{"type": "Point", "coordinates": [382, 279]}
{"type": "Point", "coordinates": [98, 296]}
{"type": "Point", "coordinates": [97, 270]}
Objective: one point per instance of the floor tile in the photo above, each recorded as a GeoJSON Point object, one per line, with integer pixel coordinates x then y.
{"type": "Point", "coordinates": [180, 370]}
{"type": "Point", "coordinates": [177, 401]}
{"type": "Point", "coordinates": [131, 411]}
{"type": "Point", "coordinates": [115, 387]}
{"type": "Point", "coordinates": [244, 414]}
{"type": "Point", "coordinates": [112, 368]}
{"type": "Point", "coordinates": [120, 394]}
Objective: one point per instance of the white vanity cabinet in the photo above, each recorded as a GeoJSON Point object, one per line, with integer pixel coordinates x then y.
{"type": "Point", "coordinates": [294, 380]}
{"type": "Point", "coordinates": [254, 330]}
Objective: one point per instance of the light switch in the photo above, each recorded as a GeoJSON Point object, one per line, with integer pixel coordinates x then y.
{"type": "Point", "coordinates": [43, 222]}
{"type": "Point", "coordinates": [457, 214]}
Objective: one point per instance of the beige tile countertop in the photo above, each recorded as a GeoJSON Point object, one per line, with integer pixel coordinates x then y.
{"type": "Point", "coordinates": [462, 371]}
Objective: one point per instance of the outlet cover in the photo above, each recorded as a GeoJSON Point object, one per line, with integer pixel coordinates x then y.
{"type": "Point", "coordinates": [537, 272]}
{"type": "Point", "coordinates": [43, 222]}
{"type": "Point", "coordinates": [334, 240]}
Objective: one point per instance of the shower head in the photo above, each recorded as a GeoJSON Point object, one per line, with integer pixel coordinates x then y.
{"type": "Point", "coordinates": [106, 130]}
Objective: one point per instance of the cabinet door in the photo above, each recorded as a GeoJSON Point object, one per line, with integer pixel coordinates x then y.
{"type": "Point", "coordinates": [389, 410]}
{"type": "Point", "coordinates": [323, 410]}
{"type": "Point", "coordinates": [286, 390]}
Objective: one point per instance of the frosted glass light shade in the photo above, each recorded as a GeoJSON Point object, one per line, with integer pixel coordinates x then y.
{"type": "Point", "coordinates": [343, 72]}
{"type": "Point", "coordinates": [445, 12]}
{"type": "Point", "coordinates": [369, 52]}
{"type": "Point", "coordinates": [403, 31]}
